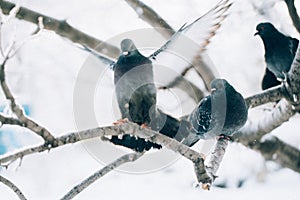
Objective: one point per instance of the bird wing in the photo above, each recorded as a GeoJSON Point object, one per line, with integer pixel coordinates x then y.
{"type": "Point", "coordinates": [293, 45]}
{"type": "Point", "coordinates": [191, 39]}
{"type": "Point", "coordinates": [200, 120]}
{"type": "Point", "coordinates": [104, 59]}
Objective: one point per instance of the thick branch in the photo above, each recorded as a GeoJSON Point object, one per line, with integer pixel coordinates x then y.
{"type": "Point", "coordinates": [12, 186]}
{"type": "Point", "coordinates": [272, 148]}
{"type": "Point", "coordinates": [62, 28]}
{"type": "Point", "coordinates": [10, 120]}
{"type": "Point", "coordinates": [271, 95]}
{"type": "Point", "coordinates": [293, 13]}
{"type": "Point", "coordinates": [108, 168]}
{"type": "Point", "coordinates": [256, 128]}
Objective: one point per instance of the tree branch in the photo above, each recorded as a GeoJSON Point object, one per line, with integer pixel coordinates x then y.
{"type": "Point", "coordinates": [62, 28]}
{"type": "Point", "coordinates": [12, 186]}
{"type": "Point", "coordinates": [293, 13]}
{"type": "Point", "coordinates": [126, 128]}
{"type": "Point", "coordinates": [151, 17]}
{"type": "Point", "coordinates": [10, 121]}
{"type": "Point", "coordinates": [18, 111]}
{"type": "Point", "coordinates": [272, 148]}
{"type": "Point", "coordinates": [256, 128]}
{"type": "Point", "coordinates": [270, 95]}
{"type": "Point", "coordinates": [108, 168]}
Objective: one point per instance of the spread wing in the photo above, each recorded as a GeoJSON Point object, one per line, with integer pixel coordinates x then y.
{"type": "Point", "coordinates": [105, 60]}
{"type": "Point", "coordinates": [190, 40]}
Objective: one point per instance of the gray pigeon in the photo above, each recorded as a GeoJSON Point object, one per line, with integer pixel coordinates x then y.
{"type": "Point", "coordinates": [220, 114]}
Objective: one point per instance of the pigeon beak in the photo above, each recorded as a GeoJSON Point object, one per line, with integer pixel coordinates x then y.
{"type": "Point", "coordinates": [257, 33]}
{"type": "Point", "coordinates": [125, 53]}
{"type": "Point", "coordinates": [213, 90]}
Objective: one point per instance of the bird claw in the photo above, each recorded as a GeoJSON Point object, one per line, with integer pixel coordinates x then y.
{"type": "Point", "coordinates": [224, 137]}
{"type": "Point", "coordinates": [144, 125]}
{"type": "Point", "coordinates": [120, 121]}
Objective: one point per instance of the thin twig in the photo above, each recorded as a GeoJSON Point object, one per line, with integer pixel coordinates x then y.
{"type": "Point", "coordinates": [18, 111]}
{"type": "Point", "coordinates": [94, 177]}
{"type": "Point", "coordinates": [215, 160]}
{"type": "Point", "coordinates": [12, 186]}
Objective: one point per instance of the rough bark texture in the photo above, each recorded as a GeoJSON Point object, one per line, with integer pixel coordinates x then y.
{"type": "Point", "coordinates": [12, 186]}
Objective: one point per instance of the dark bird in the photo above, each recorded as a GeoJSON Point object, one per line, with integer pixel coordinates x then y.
{"type": "Point", "coordinates": [280, 51]}
{"type": "Point", "coordinates": [134, 84]}
{"type": "Point", "coordinates": [220, 114]}
{"type": "Point", "coordinates": [133, 72]}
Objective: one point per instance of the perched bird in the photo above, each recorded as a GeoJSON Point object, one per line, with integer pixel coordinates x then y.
{"type": "Point", "coordinates": [134, 84]}
{"type": "Point", "coordinates": [220, 114]}
{"type": "Point", "coordinates": [133, 72]}
{"type": "Point", "coordinates": [280, 51]}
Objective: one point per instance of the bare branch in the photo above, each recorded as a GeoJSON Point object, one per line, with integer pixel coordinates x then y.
{"type": "Point", "coordinates": [108, 168]}
{"type": "Point", "coordinates": [293, 13]}
{"type": "Point", "coordinates": [151, 17]}
{"type": "Point", "coordinates": [62, 28]}
{"type": "Point", "coordinates": [10, 120]}
{"type": "Point", "coordinates": [256, 128]}
{"type": "Point", "coordinates": [272, 148]}
{"type": "Point", "coordinates": [216, 159]}
{"type": "Point", "coordinates": [18, 111]}
{"type": "Point", "coordinates": [271, 95]}
{"type": "Point", "coordinates": [12, 186]}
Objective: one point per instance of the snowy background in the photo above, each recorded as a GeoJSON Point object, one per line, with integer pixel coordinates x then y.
{"type": "Point", "coordinates": [43, 74]}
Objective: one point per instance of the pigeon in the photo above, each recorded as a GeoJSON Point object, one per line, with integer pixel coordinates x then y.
{"type": "Point", "coordinates": [219, 115]}
{"type": "Point", "coordinates": [133, 72]}
{"type": "Point", "coordinates": [280, 51]}
{"type": "Point", "coordinates": [134, 84]}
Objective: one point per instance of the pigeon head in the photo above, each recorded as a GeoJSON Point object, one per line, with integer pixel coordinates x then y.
{"type": "Point", "coordinates": [128, 47]}
{"type": "Point", "coordinates": [265, 30]}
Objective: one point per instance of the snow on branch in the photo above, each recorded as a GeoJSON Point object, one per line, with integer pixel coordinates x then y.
{"type": "Point", "coordinates": [94, 177]}
{"type": "Point", "coordinates": [12, 186]}
{"type": "Point", "coordinates": [254, 132]}
{"type": "Point", "coordinates": [126, 128]}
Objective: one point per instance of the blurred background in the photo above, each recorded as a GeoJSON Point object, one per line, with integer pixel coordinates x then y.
{"type": "Point", "coordinates": [43, 75]}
